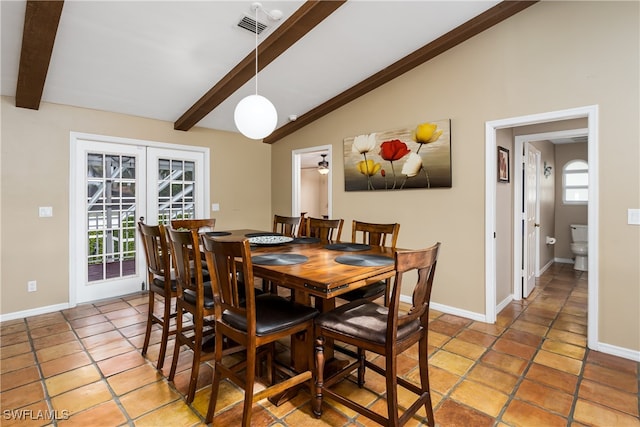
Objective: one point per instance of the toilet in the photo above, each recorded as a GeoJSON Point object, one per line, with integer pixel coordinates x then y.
{"type": "Point", "coordinates": [579, 246]}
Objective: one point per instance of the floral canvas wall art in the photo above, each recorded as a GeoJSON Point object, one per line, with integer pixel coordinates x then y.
{"type": "Point", "coordinates": [399, 159]}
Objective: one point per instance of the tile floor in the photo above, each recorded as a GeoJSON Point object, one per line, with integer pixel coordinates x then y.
{"type": "Point", "coordinates": [83, 366]}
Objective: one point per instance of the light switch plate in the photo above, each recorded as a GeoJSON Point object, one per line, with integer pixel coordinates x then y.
{"type": "Point", "coordinates": [633, 216]}
{"type": "Point", "coordinates": [215, 207]}
{"type": "Point", "coordinates": [45, 211]}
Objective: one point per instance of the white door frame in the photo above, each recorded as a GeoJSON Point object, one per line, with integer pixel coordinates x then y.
{"type": "Point", "coordinates": [591, 114]}
{"type": "Point", "coordinates": [296, 157]}
{"type": "Point", "coordinates": [519, 143]}
{"type": "Point", "coordinates": [75, 196]}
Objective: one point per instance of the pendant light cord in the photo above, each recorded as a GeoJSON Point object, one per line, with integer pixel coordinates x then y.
{"type": "Point", "coordinates": [256, 50]}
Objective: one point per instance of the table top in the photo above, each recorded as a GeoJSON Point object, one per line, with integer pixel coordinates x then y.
{"type": "Point", "coordinates": [321, 275]}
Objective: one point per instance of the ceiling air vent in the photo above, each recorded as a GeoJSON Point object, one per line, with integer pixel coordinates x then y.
{"type": "Point", "coordinates": [249, 24]}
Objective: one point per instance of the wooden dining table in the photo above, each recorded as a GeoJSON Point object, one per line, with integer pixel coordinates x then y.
{"type": "Point", "coordinates": [320, 278]}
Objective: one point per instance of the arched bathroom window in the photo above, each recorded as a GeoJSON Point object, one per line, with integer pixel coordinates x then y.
{"type": "Point", "coordinates": [575, 183]}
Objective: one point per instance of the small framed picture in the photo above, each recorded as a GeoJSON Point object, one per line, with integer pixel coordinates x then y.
{"type": "Point", "coordinates": [503, 164]}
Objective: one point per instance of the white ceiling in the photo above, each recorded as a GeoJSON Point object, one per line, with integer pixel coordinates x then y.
{"type": "Point", "coordinates": [155, 59]}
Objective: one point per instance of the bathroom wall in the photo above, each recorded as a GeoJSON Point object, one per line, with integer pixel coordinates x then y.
{"type": "Point", "coordinates": [567, 214]}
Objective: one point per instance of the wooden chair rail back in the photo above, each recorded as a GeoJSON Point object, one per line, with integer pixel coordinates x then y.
{"type": "Point", "coordinates": [286, 225]}
{"type": "Point", "coordinates": [324, 229]}
{"type": "Point", "coordinates": [424, 261]}
{"type": "Point", "coordinates": [185, 247]}
{"type": "Point", "coordinates": [229, 292]}
{"type": "Point", "coordinates": [375, 234]}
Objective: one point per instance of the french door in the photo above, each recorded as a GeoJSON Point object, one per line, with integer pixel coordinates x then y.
{"type": "Point", "coordinates": [115, 183]}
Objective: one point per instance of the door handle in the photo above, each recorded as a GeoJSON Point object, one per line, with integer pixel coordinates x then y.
{"type": "Point", "coordinates": [536, 225]}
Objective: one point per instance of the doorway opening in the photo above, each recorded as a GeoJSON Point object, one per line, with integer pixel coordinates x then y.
{"type": "Point", "coordinates": [491, 128]}
{"type": "Point", "coordinates": [311, 189]}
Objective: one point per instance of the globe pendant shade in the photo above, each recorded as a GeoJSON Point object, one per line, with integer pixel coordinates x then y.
{"type": "Point", "coordinates": [255, 117]}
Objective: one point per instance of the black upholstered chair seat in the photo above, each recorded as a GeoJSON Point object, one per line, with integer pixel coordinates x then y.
{"type": "Point", "coordinates": [159, 282]}
{"type": "Point", "coordinates": [376, 289]}
{"type": "Point", "coordinates": [190, 296]}
{"type": "Point", "coordinates": [273, 314]}
{"type": "Point", "coordinates": [365, 321]}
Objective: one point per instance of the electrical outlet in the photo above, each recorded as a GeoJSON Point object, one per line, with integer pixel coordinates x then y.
{"type": "Point", "coordinates": [32, 286]}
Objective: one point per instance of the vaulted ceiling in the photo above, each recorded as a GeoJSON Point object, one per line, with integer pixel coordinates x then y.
{"type": "Point", "coordinates": [188, 62]}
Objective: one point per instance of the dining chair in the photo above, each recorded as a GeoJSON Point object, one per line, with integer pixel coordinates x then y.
{"type": "Point", "coordinates": [324, 229]}
{"type": "Point", "coordinates": [256, 322]}
{"type": "Point", "coordinates": [286, 225]}
{"type": "Point", "coordinates": [194, 297]}
{"type": "Point", "coordinates": [160, 284]}
{"type": "Point", "coordinates": [194, 224]}
{"type": "Point", "coordinates": [373, 235]}
{"type": "Point", "coordinates": [385, 331]}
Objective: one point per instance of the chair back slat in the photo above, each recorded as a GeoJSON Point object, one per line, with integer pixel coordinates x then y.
{"type": "Point", "coordinates": [374, 234]}
{"type": "Point", "coordinates": [156, 248]}
{"type": "Point", "coordinates": [286, 225]}
{"type": "Point", "coordinates": [324, 229]}
{"type": "Point", "coordinates": [206, 224]}
{"type": "Point", "coordinates": [424, 261]}
{"type": "Point", "coordinates": [185, 247]}
{"type": "Point", "coordinates": [229, 291]}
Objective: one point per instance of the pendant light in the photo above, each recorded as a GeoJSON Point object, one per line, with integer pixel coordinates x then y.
{"type": "Point", "coordinates": [255, 116]}
{"type": "Point", "coordinates": [323, 165]}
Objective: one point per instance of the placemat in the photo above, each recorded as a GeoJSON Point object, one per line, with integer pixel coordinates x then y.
{"type": "Point", "coordinates": [365, 260]}
{"type": "Point", "coordinates": [278, 259]}
{"type": "Point", "coordinates": [217, 233]}
{"type": "Point", "coordinates": [348, 247]}
{"type": "Point", "coordinates": [306, 240]}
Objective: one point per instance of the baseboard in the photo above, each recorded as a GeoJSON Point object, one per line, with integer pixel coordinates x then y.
{"type": "Point", "coordinates": [33, 312]}
{"type": "Point", "coordinates": [545, 268]}
{"type": "Point", "coordinates": [564, 260]}
{"type": "Point", "coordinates": [450, 310]}
{"type": "Point", "coordinates": [502, 304]}
{"type": "Point", "coordinates": [618, 351]}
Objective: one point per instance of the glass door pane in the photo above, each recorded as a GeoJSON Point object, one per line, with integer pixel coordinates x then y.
{"type": "Point", "coordinates": [110, 212]}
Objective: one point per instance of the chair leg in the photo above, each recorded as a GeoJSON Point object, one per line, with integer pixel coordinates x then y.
{"type": "Point", "coordinates": [147, 334]}
{"type": "Point", "coordinates": [178, 344]}
{"type": "Point", "coordinates": [424, 380]}
{"type": "Point", "coordinates": [166, 325]}
{"type": "Point", "coordinates": [319, 383]}
{"type": "Point", "coordinates": [217, 377]}
{"type": "Point", "coordinates": [361, 367]}
{"type": "Point", "coordinates": [249, 384]}
{"type": "Point", "coordinates": [195, 365]}
{"type": "Point", "coordinates": [392, 391]}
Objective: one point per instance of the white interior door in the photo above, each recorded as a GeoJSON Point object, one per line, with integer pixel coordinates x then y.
{"type": "Point", "coordinates": [114, 183]}
{"type": "Point", "coordinates": [532, 225]}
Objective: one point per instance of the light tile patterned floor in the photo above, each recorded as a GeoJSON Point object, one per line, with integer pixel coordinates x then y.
{"type": "Point", "coordinates": [83, 366]}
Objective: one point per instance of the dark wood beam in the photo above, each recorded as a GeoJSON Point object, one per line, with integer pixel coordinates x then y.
{"type": "Point", "coordinates": [474, 26]}
{"type": "Point", "coordinates": [286, 35]}
{"type": "Point", "coordinates": [40, 27]}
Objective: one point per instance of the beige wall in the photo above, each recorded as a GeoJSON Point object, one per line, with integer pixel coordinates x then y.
{"type": "Point", "coordinates": [313, 193]}
{"type": "Point", "coordinates": [35, 172]}
{"type": "Point", "coordinates": [567, 214]}
{"type": "Point", "coordinates": [511, 70]}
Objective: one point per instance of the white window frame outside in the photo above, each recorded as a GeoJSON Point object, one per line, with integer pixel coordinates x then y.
{"type": "Point", "coordinates": [565, 186]}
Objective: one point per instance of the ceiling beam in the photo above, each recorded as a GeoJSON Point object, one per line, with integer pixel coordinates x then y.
{"type": "Point", "coordinates": [310, 14]}
{"type": "Point", "coordinates": [38, 35]}
{"type": "Point", "coordinates": [474, 26]}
